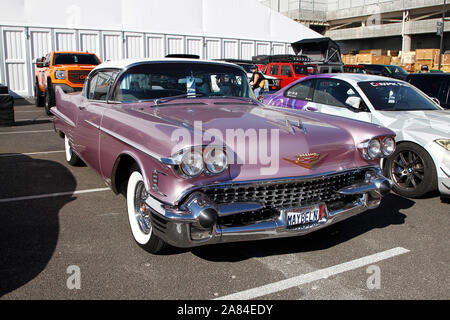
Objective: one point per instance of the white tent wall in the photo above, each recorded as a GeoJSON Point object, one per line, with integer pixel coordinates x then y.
{"type": "Point", "coordinates": [116, 29]}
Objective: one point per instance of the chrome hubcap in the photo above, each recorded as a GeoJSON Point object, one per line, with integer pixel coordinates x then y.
{"type": "Point", "coordinates": [141, 210]}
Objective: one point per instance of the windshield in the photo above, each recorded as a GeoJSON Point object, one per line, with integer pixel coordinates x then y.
{"type": "Point", "coordinates": [73, 58]}
{"type": "Point", "coordinates": [396, 70]}
{"type": "Point", "coordinates": [395, 96]}
{"type": "Point", "coordinates": [160, 80]}
{"type": "Point", "coordinates": [247, 67]}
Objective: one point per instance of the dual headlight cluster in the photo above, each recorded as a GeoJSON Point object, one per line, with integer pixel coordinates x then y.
{"type": "Point", "coordinates": [195, 161]}
{"type": "Point", "coordinates": [380, 147]}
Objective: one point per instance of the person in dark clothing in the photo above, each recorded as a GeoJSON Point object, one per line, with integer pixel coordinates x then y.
{"type": "Point", "coordinates": [256, 82]}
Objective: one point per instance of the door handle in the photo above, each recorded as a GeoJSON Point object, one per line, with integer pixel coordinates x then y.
{"type": "Point", "coordinates": [81, 107]}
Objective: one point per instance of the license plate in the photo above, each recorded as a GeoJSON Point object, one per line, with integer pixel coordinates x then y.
{"type": "Point", "coordinates": [306, 216]}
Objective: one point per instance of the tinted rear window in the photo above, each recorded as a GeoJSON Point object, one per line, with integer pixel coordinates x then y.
{"type": "Point", "coordinates": [428, 85]}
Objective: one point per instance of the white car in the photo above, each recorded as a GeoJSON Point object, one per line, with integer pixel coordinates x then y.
{"type": "Point", "coordinates": [421, 163]}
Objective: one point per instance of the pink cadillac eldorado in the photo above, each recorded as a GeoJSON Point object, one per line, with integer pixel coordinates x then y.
{"type": "Point", "coordinates": [200, 161]}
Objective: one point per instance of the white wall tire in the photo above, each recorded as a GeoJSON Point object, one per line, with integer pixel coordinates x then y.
{"type": "Point", "coordinates": [71, 157]}
{"type": "Point", "coordinates": [139, 217]}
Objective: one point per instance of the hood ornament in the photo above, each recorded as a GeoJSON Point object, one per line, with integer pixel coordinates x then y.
{"type": "Point", "coordinates": [307, 160]}
{"type": "Point", "coordinates": [291, 123]}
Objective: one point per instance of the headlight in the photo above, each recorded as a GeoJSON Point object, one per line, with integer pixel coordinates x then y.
{"type": "Point", "coordinates": [374, 148]}
{"type": "Point", "coordinates": [192, 163]}
{"type": "Point", "coordinates": [388, 146]}
{"type": "Point", "coordinates": [444, 143]}
{"type": "Point", "coordinates": [216, 160]}
{"type": "Point", "coordinates": [60, 74]}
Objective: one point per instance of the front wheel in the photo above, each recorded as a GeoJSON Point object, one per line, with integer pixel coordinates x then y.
{"type": "Point", "coordinates": [139, 214]}
{"type": "Point", "coordinates": [411, 170]}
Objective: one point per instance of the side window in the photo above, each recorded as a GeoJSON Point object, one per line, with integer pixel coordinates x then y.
{"type": "Point", "coordinates": [274, 70]}
{"type": "Point", "coordinates": [286, 71]}
{"type": "Point", "coordinates": [336, 70]}
{"type": "Point", "coordinates": [333, 92]}
{"type": "Point", "coordinates": [99, 85]}
{"type": "Point", "coordinates": [47, 60]}
{"type": "Point", "coordinates": [300, 91]}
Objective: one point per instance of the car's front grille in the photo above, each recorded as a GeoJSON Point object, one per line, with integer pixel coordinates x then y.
{"type": "Point", "coordinates": [286, 193]}
{"type": "Point", "coordinates": [78, 76]}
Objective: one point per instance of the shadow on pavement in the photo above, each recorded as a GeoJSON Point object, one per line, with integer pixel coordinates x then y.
{"type": "Point", "coordinates": [29, 228]}
{"type": "Point", "coordinates": [389, 213]}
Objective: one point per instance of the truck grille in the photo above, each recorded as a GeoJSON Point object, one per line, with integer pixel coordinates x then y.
{"type": "Point", "coordinates": [78, 76]}
{"type": "Point", "coordinates": [286, 193]}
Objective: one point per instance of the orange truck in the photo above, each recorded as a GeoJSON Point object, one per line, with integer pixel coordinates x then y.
{"type": "Point", "coordinates": [66, 69]}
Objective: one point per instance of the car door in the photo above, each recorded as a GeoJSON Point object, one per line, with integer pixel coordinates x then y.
{"type": "Point", "coordinates": [91, 109]}
{"type": "Point", "coordinates": [286, 75]}
{"type": "Point", "coordinates": [42, 74]}
{"type": "Point", "coordinates": [298, 96]}
{"type": "Point", "coordinates": [330, 96]}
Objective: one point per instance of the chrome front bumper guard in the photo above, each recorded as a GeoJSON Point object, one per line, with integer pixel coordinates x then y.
{"type": "Point", "coordinates": [184, 227]}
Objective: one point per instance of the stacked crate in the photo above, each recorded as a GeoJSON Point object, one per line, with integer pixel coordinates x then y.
{"type": "Point", "coordinates": [445, 62]}
{"type": "Point", "coordinates": [425, 57]}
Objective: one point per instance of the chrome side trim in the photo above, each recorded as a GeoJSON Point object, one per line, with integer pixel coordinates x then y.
{"type": "Point", "coordinates": [61, 116]}
{"type": "Point", "coordinates": [96, 126]}
{"type": "Point", "coordinates": [136, 146]}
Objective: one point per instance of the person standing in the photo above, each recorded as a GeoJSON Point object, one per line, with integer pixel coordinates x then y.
{"type": "Point", "coordinates": [256, 82]}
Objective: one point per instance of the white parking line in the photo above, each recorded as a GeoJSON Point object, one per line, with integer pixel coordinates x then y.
{"type": "Point", "coordinates": [21, 132]}
{"type": "Point", "coordinates": [29, 154]}
{"type": "Point", "coordinates": [21, 111]}
{"type": "Point", "coordinates": [51, 195]}
{"type": "Point", "coordinates": [313, 276]}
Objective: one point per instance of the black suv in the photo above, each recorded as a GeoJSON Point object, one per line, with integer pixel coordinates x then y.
{"type": "Point", "coordinates": [386, 70]}
{"type": "Point", "coordinates": [435, 85]}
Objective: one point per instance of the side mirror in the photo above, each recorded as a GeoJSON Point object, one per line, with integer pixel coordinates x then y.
{"type": "Point", "coordinates": [39, 62]}
{"type": "Point", "coordinates": [436, 100]}
{"type": "Point", "coordinates": [354, 102]}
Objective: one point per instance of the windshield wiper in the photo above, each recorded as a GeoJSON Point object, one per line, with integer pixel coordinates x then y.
{"type": "Point", "coordinates": [232, 97]}
{"type": "Point", "coordinates": [181, 96]}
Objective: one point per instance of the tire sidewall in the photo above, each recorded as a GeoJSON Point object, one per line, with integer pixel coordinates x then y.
{"type": "Point", "coordinates": [140, 237]}
{"type": "Point", "coordinates": [71, 157]}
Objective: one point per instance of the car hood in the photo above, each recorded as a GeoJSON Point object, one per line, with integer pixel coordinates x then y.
{"type": "Point", "coordinates": [262, 139]}
{"type": "Point", "coordinates": [432, 123]}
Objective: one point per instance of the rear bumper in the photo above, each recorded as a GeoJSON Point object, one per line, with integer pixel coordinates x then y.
{"type": "Point", "coordinates": [183, 226]}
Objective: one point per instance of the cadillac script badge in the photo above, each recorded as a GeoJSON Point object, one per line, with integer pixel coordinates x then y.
{"type": "Point", "coordinates": [306, 160]}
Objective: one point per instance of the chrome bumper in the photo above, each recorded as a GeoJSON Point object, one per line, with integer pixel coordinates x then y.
{"type": "Point", "coordinates": [186, 226]}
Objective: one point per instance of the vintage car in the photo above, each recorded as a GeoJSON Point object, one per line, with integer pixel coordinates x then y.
{"type": "Point", "coordinates": [421, 163]}
{"type": "Point", "coordinates": [200, 161]}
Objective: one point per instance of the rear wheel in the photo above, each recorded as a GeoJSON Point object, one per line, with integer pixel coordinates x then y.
{"type": "Point", "coordinates": [49, 99]}
{"type": "Point", "coordinates": [71, 157]}
{"type": "Point", "coordinates": [411, 170]}
{"type": "Point", "coordinates": [38, 95]}
{"type": "Point", "coordinates": [139, 214]}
